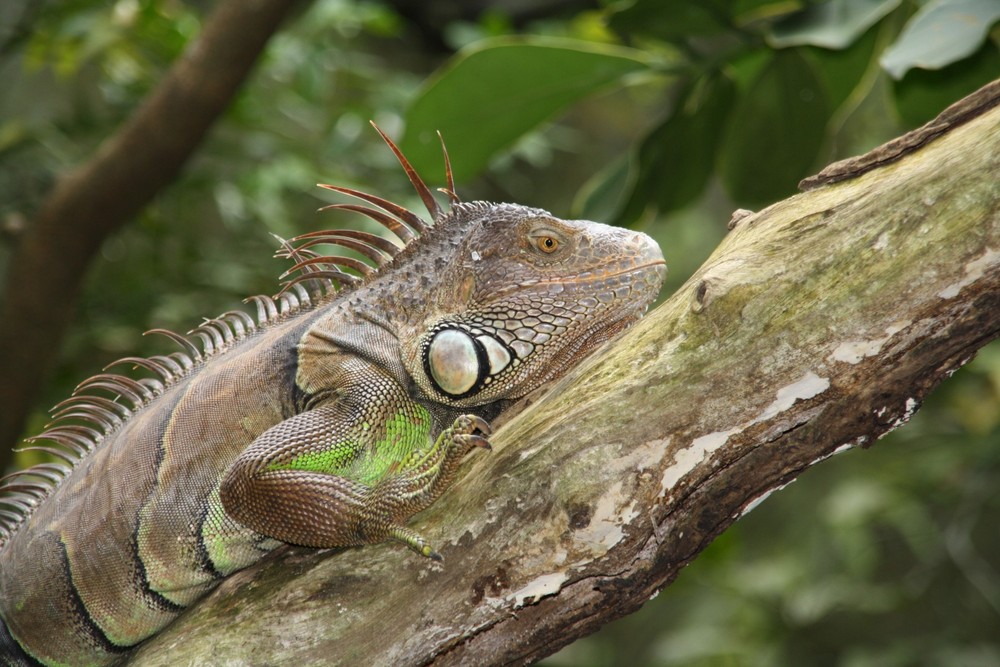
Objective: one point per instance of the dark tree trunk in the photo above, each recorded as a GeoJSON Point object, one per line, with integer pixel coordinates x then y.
{"type": "Point", "coordinates": [94, 200]}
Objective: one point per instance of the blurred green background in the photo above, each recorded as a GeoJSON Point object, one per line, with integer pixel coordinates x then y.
{"type": "Point", "coordinates": [663, 116]}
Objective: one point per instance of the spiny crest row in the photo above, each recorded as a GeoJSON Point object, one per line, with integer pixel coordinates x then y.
{"type": "Point", "coordinates": [103, 403]}
{"type": "Point", "coordinates": [332, 270]}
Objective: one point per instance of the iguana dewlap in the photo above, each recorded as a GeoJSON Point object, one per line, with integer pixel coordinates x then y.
{"type": "Point", "coordinates": [328, 420]}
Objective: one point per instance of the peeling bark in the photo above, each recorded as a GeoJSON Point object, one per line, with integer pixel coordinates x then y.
{"type": "Point", "coordinates": [819, 324]}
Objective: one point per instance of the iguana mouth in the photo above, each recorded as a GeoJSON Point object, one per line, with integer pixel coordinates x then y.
{"type": "Point", "coordinates": [586, 278]}
{"type": "Point", "coordinates": [580, 279]}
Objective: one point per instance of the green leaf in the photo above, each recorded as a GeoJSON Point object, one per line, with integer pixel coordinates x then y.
{"type": "Point", "coordinates": [678, 157]}
{"type": "Point", "coordinates": [489, 96]}
{"type": "Point", "coordinates": [746, 67]}
{"type": "Point", "coordinates": [923, 94]}
{"type": "Point", "coordinates": [941, 33]}
{"type": "Point", "coordinates": [834, 24]}
{"type": "Point", "coordinates": [669, 21]}
{"type": "Point", "coordinates": [602, 195]}
{"type": "Point", "coordinates": [679, 20]}
{"type": "Point", "coordinates": [749, 12]}
{"type": "Point", "coordinates": [775, 132]}
{"type": "Point", "coordinates": [842, 70]}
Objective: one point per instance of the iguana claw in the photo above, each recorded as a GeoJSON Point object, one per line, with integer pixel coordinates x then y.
{"type": "Point", "coordinates": [473, 441]}
{"type": "Point", "coordinates": [467, 429]}
{"type": "Point", "coordinates": [481, 425]}
{"type": "Point", "coordinates": [469, 424]}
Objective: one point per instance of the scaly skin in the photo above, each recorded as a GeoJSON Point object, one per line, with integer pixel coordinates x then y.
{"type": "Point", "coordinates": [328, 425]}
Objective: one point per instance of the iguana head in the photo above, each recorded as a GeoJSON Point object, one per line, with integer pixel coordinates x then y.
{"type": "Point", "coordinates": [489, 301]}
{"type": "Point", "coordinates": [523, 297]}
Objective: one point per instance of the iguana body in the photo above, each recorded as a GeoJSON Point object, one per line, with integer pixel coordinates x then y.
{"type": "Point", "coordinates": [327, 422]}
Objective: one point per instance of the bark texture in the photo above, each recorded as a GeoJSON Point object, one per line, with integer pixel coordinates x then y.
{"type": "Point", "coordinates": [819, 324]}
{"type": "Point", "coordinates": [98, 197]}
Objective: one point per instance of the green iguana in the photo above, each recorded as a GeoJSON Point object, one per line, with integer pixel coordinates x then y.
{"type": "Point", "coordinates": [327, 421]}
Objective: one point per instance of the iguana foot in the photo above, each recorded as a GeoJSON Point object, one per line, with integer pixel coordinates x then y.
{"type": "Point", "coordinates": [471, 431]}
{"type": "Point", "coordinates": [466, 432]}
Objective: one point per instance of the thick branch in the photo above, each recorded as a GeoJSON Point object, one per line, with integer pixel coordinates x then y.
{"type": "Point", "coordinates": [819, 324]}
{"type": "Point", "coordinates": [97, 198]}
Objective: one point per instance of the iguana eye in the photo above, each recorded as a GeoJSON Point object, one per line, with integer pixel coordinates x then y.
{"type": "Point", "coordinates": [547, 244]}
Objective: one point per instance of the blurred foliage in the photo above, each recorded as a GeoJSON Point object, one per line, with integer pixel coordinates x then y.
{"type": "Point", "coordinates": [747, 78]}
{"type": "Point", "coordinates": [530, 79]}
{"type": "Point", "coordinates": [665, 116]}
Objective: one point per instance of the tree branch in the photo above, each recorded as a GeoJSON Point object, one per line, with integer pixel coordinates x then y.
{"type": "Point", "coordinates": [819, 324]}
{"type": "Point", "coordinates": [95, 199]}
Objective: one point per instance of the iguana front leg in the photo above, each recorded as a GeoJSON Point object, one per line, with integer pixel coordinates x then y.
{"type": "Point", "coordinates": [341, 476]}
{"type": "Point", "coordinates": [398, 496]}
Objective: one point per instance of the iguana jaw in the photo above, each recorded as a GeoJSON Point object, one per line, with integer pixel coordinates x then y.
{"type": "Point", "coordinates": [589, 278]}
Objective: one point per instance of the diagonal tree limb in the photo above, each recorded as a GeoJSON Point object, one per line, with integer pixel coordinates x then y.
{"type": "Point", "coordinates": [818, 325]}
{"type": "Point", "coordinates": [98, 197]}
